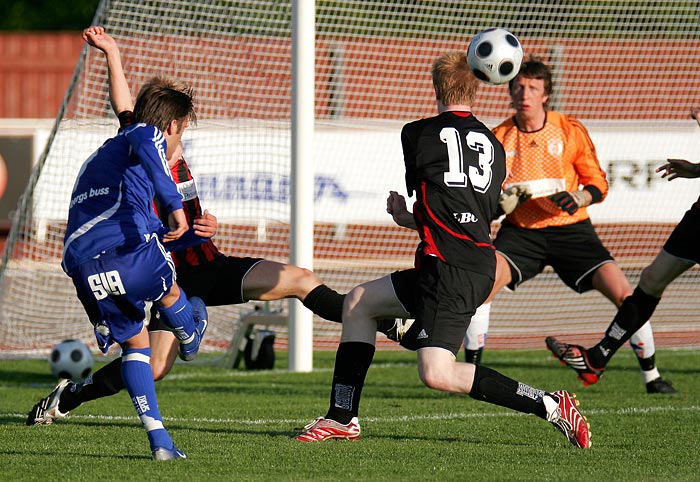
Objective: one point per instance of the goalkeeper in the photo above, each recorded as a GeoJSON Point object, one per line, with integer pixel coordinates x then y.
{"type": "Point", "coordinates": [551, 157]}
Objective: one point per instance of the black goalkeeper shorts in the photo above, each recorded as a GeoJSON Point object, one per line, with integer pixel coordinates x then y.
{"type": "Point", "coordinates": [574, 252]}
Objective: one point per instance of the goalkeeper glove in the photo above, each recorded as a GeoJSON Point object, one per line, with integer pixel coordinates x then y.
{"type": "Point", "coordinates": [570, 201]}
{"type": "Point", "coordinates": [513, 197]}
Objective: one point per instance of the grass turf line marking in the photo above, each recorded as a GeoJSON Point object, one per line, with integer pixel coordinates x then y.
{"type": "Point", "coordinates": [403, 418]}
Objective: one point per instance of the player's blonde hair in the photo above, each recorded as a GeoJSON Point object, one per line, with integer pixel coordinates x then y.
{"type": "Point", "coordinates": [162, 99]}
{"type": "Point", "coordinates": [454, 82]}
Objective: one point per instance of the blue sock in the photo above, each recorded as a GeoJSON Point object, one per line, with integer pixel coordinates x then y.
{"type": "Point", "coordinates": [138, 378]}
{"type": "Point", "coordinates": [179, 318]}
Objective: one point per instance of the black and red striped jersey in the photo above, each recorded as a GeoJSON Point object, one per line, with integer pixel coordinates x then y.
{"type": "Point", "coordinates": [456, 166]}
{"type": "Point", "coordinates": [180, 172]}
{"type": "Point", "coordinates": [206, 251]}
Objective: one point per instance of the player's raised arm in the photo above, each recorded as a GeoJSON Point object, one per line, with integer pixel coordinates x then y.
{"type": "Point", "coordinates": [119, 93]}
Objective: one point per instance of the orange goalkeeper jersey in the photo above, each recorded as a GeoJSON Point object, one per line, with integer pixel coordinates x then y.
{"type": "Point", "coordinates": [558, 157]}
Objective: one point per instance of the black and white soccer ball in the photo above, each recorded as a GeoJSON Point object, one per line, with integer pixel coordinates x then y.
{"type": "Point", "coordinates": [71, 359]}
{"type": "Point", "coordinates": [494, 56]}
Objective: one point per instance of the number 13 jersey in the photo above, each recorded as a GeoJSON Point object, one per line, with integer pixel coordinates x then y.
{"type": "Point", "coordinates": [456, 166]}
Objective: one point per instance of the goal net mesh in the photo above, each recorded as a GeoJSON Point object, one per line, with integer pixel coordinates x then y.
{"type": "Point", "coordinates": [627, 69]}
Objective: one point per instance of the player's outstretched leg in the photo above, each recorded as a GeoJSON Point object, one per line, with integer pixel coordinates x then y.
{"type": "Point", "coordinates": [563, 413]}
{"type": "Point", "coordinates": [575, 356]}
{"type": "Point", "coordinates": [46, 411]}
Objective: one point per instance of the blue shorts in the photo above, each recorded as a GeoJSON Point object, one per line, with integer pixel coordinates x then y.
{"type": "Point", "coordinates": [114, 287]}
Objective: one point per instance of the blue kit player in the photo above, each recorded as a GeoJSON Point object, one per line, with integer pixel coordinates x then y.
{"type": "Point", "coordinates": [113, 251]}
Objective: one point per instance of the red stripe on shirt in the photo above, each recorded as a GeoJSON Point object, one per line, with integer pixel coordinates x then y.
{"type": "Point", "coordinates": [446, 228]}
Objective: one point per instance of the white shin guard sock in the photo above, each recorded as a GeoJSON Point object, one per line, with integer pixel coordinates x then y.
{"type": "Point", "coordinates": [642, 343]}
{"type": "Point", "coordinates": [478, 330]}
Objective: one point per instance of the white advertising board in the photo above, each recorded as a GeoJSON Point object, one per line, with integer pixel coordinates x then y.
{"type": "Point", "coordinates": [239, 174]}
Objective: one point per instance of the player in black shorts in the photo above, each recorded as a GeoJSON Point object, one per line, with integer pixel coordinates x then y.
{"type": "Point", "coordinates": [678, 255]}
{"type": "Point", "coordinates": [456, 166]}
{"type": "Point", "coordinates": [550, 152]}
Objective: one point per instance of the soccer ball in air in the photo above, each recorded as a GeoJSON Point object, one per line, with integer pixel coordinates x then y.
{"type": "Point", "coordinates": [494, 55]}
{"type": "Point", "coordinates": [71, 359]}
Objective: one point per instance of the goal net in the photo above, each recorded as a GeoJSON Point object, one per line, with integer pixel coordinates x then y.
{"type": "Point", "coordinates": [626, 69]}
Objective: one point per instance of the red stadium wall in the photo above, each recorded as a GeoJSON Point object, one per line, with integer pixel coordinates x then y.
{"type": "Point", "coordinates": [35, 71]}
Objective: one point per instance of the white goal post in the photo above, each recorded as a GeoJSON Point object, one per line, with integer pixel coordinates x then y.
{"type": "Point", "coordinates": [626, 69]}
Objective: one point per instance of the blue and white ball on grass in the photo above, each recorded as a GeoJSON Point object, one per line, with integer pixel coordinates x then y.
{"type": "Point", "coordinates": [71, 359]}
{"type": "Point", "coordinates": [494, 56]}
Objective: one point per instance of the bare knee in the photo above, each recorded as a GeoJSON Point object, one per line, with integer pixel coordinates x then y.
{"type": "Point", "coordinates": [434, 379]}
{"type": "Point", "coordinates": [435, 372]}
{"type": "Point", "coordinates": [612, 283]}
{"type": "Point", "coordinates": [170, 297]}
{"type": "Point", "coordinates": [621, 298]}
{"type": "Point", "coordinates": [295, 281]}
{"type": "Point", "coordinates": [270, 280]}
{"type": "Point", "coordinates": [307, 279]}
{"type": "Point", "coordinates": [439, 370]}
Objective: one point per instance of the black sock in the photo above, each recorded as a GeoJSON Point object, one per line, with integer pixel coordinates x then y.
{"type": "Point", "coordinates": [326, 303]}
{"type": "Point", "coordinates": [493, 387]}
{"type": "Point", "coordinates": [633, 313]}
{"type": "Point", "coordinates": [351, 364]}
{"type": "Point", "coordinates": [473, 356]}
{"type": "Point", "coordinates": [104, 382]}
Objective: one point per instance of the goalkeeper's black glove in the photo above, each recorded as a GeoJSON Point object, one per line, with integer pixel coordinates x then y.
{"type": "Point", "coordinates": [513, 197]}
{"type": "Point", "coordinates": [570, 201]}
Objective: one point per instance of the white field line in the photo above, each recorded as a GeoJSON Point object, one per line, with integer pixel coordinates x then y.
{"type": "Point", "coordinates": [393, 419]}
{"type": "Point", "coordinates": [402, 418]}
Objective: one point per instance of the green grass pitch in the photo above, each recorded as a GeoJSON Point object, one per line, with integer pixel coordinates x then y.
{"type": "Point", "coordinates": [237, 425]}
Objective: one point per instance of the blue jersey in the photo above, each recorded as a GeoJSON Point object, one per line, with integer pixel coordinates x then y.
{"type": "Point", "coordinates": [112, 201]}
